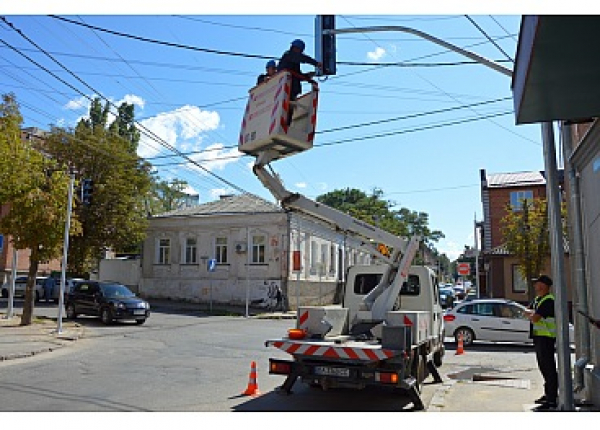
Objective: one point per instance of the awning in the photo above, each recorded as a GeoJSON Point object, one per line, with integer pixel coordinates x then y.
{"type": "Point", "coordinates": [557, 69]}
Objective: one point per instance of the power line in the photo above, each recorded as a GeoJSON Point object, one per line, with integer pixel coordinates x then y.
{"type": "Point", "coordinates": [489, 38]}
{"type": "Point", "coordinates": [152, 134]}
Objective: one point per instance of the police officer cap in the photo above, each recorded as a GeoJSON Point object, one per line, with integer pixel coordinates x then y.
{"type": "Point", "coordinates": [544, 280]}
{"type": "Point", "coordinates": [271, 63]}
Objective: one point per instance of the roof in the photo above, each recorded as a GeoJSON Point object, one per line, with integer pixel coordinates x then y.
{"type": "Point", "coordinates": [502, 250]}
{"type": "Point", "coordinates": [556, 68]}
{"type": "Point", "coordinates": [516, 179]}
{"type": "Point", "coordinates": [227, 205]}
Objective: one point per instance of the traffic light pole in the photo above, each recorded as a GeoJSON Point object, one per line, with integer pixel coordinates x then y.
{"type": "Point", "coordinates": [566, 401]}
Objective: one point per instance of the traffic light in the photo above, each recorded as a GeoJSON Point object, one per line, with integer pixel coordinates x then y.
{"type": "Point", "coordinates": [325, 44]}
{"type": "Point", "coordinates": [87, 188]}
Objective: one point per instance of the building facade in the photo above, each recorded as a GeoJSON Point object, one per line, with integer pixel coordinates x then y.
{"type": "Point", "coordinates": [239, 249]}
{"type": "Point", "coordinates": [499, 192]}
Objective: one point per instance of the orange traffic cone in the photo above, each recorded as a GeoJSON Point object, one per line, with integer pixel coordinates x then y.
{"type": "Point", "coordinates": [459, 349]}
{"type": "Point", "coordinates": [252, 389]}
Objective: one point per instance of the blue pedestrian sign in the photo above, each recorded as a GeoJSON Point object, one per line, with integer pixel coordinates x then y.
{"type": "Point", "coordinates": [212, 264]}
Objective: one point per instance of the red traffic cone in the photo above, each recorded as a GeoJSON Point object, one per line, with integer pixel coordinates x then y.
{"type": "Point", "coordinates": [460, 350]}
{"type": "Point", "coordinates": [252, 389]}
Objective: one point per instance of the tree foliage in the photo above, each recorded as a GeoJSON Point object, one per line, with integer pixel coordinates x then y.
{"type": "Point", "coordinates": [105, 154]}
{"type": "Point", "coordinates": [166, 196]}
{"type": "Point", "coordinates": [527, 238]}
{"type": "Point", "coordinates": [35, 190]}
{"type": "Point", "coordinates": [374, 210]}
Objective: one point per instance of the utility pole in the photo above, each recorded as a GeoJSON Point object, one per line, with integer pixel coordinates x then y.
{"type": "Point", "coordinates": [63, 275]}
{"type": "Point", "coordinates": [556, 237]}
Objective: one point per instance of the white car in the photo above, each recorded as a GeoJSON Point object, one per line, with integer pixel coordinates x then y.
{"type": "Point", "coordinates": [69, 284]}
{"type": "Point", "coordinates": [21, 284]}
{"type": "Point", "coordinates": [493, 320]}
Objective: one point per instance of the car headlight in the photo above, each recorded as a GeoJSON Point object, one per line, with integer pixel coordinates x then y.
{"type": "Point", "coordinates": [147, 305]}
{"type": "Point", "coordinates": [120, 305]}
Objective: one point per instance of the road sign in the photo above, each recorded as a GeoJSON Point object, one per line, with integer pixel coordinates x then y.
{"type": "Point", "coordinates": [212, 265]}
{"type": "Point", "coordinates": [464, 268]}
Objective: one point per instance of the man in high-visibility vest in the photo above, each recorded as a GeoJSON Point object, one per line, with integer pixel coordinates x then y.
{"type": "Point", "coordinates": [543, 332]}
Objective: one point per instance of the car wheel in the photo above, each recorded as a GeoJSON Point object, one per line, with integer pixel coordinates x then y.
{"type": "Point", "coordinates": [105, 316]}
{"type": "Point", "coordinates": [467, 335]}
{"type": "Point", "coordinates": [4, 293]}
{"type": "Point", "coordinates": [71, 314]}
{"type": "Point", "coordinates": [140, 322]}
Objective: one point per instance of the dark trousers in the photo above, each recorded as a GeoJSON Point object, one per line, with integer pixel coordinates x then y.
{"type": "Point", "coordinates": [293, 98]}
{"type": "Point", "coordinates": [544, 353]}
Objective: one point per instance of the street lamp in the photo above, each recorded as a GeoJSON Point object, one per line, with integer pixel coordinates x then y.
{"type": "Point", "coordinates": [554, 215]}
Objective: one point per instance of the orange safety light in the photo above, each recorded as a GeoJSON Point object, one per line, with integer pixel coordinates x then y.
{"type": "Point", "coordinates": [386, 377]}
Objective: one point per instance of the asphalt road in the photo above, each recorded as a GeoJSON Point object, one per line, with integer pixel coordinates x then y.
{"type": "Point", "coordinates": [177, 361]}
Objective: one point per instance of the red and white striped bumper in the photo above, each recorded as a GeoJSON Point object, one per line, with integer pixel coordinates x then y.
{"type": "Point", "coordinates": [328, 349]}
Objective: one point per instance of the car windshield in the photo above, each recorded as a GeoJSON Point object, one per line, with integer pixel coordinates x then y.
{"type": "Point", "coordinates": [117, 291]}
{"type": "Point", "coordinates": [446, 291]}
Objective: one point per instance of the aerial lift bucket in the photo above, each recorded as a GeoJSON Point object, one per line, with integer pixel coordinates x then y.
{"type": "Point", "coordinates": [265, 124]}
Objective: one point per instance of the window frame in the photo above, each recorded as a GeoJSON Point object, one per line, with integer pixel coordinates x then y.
{"type": "Point", "coordinates": [187, 248]}
{"type": "Point", "coordinates": [221, 250]}
{"type": "Point", "coordinates": [517, 198]}
{"type": "Point", "coordinates": [163, 254]}
{"type": "Point", "coordinates": [516, 275]}
{"type": "Point", "coordinates": [258, 254]}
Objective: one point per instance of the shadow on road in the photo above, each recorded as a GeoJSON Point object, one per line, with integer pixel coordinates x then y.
{"type": "Point", "coordinates": [491, 347]}
{"type": "Point", "coordinates": [307, 399]}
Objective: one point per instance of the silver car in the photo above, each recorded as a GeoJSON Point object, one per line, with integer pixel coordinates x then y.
{"type": "Point", "coordinates": [21, 284]}
{"type": "Point", "coordinates": [494, 320]}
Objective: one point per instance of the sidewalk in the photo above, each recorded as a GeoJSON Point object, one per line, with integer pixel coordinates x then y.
{"type": "Point", "coordinates": [18, 341]}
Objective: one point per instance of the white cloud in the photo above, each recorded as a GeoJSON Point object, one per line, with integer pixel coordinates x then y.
{"type": "Point", "coordinates": [78, 104]}
{"type": "Point", "coordinates": [215, 193]}
{"type": "Point", "coordinates": [215, 157]}
{"type": "Point", "coordinates": [177, 128]}
{"type": "Point", "coordinates": [301, 185]}
{"type": "Point", "coordinates": [376, 55]}
{"type": "Point", "coordinates": [190, 191]}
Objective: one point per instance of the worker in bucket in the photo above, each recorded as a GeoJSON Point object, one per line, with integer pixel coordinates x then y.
{"type": "Point", "coordinates": [271, 69]}
{"type": "Point", "coordinates": [291, 60]}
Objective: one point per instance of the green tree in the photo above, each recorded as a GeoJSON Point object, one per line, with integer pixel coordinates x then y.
{"type": "Point", "coordinates": [124, 125]}
{"type": "Point", "coordinates": [116, 216]}
{"type": "Point", "coordinates": [36, 201]}
{"type": "Point", "coordinates": [166, 196]}
{"type": "Point", "coordinates": [527, 237]}
{"type": "Point", "coordinates": [374, 210]}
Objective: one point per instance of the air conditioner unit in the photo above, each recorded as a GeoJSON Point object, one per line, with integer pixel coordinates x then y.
{"type": "Point", "coordinates": [241, 247]}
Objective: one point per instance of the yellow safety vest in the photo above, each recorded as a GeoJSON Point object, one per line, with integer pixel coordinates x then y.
{"type": "Point", "coordinates": [545, 326]}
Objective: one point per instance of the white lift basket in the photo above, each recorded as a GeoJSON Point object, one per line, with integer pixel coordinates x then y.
{"type": "Point", "coordinates": [265, 120]}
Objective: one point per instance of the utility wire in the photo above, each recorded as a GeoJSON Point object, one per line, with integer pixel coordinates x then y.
{"type": "Point", "coordinates": [505, 30]}
{"type": "Point", "coordinates": [152, 134]}
{"type": "Point", "coordinates": [490, 39]}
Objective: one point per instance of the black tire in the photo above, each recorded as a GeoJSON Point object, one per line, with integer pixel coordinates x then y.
{"type": "Point", "coordinates": [106, 316]}
{"type": "Point", "coordinates": [140, 322]}
{"type": "Point", "coordinates": [5, 293]}
{"type": "Point", "coordinates": [467, 335]}
{"type": "Point", "coordinates": [418, 371]}
{"type": "Point", "coordinates": [438, 356]}
{"type": "Point", "coordinates": [70, 311]}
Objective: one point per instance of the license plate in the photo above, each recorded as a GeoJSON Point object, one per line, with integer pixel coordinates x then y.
{"type": "Point", "coordinates": [341, 372]}
{"type": "Point", "coordinates": [139, 312]}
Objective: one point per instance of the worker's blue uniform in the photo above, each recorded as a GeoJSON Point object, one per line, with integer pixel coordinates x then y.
{"type": "Point", "coordinates": [291, 60]}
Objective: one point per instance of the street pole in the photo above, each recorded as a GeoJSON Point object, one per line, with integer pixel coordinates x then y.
{"type": "Point", "coordinates": [11, 291]}
{"type": "Point", "coordinates": [248, 251]}
{"type": "Point", "coordinates": [63, 275]}
{"type": "Point", "coordinates": [476, 236]}
{"type": "Point", "coordinates": [565, 394]}
{"type": "Point", "coordinates": [552, 190]}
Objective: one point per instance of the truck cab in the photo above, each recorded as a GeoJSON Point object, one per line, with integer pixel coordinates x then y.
{"type": "Point", "coordinates": [418, 293]}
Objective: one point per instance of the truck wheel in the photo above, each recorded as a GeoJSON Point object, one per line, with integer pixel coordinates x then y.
{"type": "Point", "coordinates": [467, 335]}
{"type": "Point", "coordinates": [418, 371]}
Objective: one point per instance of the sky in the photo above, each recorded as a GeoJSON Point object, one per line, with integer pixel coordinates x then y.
{"type": "Point", "coordinates": [194, 100]}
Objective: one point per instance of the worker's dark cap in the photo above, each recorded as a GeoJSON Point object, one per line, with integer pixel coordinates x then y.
{"type": "Point", "coordinates": [544, 280]}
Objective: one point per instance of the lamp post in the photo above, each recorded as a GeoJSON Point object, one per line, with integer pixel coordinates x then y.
{"type": "Point", "coordinates": [63, 280]}
{"type": "Point", "coordinates": [553, 194]}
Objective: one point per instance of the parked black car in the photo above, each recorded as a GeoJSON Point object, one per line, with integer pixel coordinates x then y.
{"type": "Point", "coordinates": [109, 300]}
{"type": "Point", "coordinates": [446, 297]}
